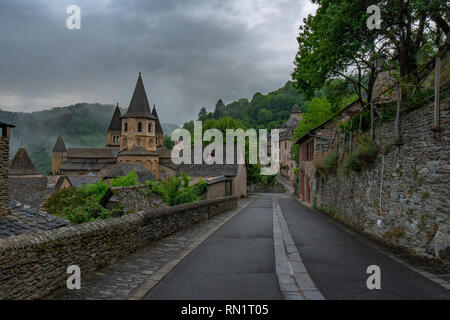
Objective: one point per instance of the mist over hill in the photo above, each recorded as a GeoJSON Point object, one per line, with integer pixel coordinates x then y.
{"type": "Point", "coordinates": [81, 125]}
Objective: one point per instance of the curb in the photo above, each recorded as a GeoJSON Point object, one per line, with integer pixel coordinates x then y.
{"type": "Point", "coordinates": [144, 289]}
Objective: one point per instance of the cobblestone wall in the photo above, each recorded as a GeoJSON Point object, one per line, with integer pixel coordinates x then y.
{"type": "Point", "coordinates": [415, 188]}
{"type": "Point", "coordinates": [34, 265]}
{"type": "Point", "coordinates": [4, 166]}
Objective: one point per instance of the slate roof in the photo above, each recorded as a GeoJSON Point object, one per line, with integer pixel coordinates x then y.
{"type": "Point", "coordinates": [90, 153]}
{"type": "Point", "coordinates": [139, 106]}
{"type": "Point", "coordinates": [122, 169]}
{"type": "Point", "coordinates": [207, 170]}
{"type": "Point", "coordinates": [82, 166]}
{"type": "Point", "coordinates": [138, 151]}
{"type": "Point", "coordinates": [76, 181]}
{"type": "Point", "coordinates": [25, 219]}
{"type": "Point", "coordinates": [21, 165]}
{"type": "Point", "coordinates": [216, 180]}
{"type": "Point", "coordinates": [158, 128]}
{"type": "Point", "coordinates": [59, 145]}
{"type": "Point", "coordinates": [116, 123]}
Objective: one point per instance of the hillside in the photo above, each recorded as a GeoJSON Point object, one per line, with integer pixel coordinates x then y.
{"type": "Point", "coordinates": [81, 125]}
{"type": "Point", "coordinates": [262, 111]}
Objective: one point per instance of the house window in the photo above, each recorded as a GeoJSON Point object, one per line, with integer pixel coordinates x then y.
{"type": "Point", "coordinates": [139, 126]}
{"type": "Point", "coordinates": [125, 127]}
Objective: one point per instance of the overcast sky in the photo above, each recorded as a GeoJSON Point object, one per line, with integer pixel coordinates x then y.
{"type": "Point", "coordinates": [190, 52]}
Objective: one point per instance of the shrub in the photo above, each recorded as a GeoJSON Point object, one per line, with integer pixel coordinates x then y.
{"type": "Point", "coordinates": [176, 190]}
{"type": "Point", "coordinates": [364, 156]}
{"type": "Point", "coordinates": [79, 205]}
{"type": "Point", "coordinates": [326, 164]}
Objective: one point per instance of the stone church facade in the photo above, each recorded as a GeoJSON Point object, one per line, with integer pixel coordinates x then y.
{"type": "Point", "coordinates": [134, 137]}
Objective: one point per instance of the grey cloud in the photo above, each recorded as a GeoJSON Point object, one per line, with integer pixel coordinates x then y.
{"type": "Point", "coordinates": [191, 53]}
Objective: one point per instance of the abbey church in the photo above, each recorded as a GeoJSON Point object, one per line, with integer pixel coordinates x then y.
{"type": "Point", "coordinates": [134, 137]}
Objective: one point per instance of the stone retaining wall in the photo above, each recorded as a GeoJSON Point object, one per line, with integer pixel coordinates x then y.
{"type": "Point", "coordinates": [34, 265]}
{"type": "Point", "coordinates": [414, 181]}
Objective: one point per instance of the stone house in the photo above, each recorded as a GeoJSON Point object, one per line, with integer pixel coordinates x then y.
{"type": "Point", "coordinates": [286, 132]}
{"type": "Point", "coordinates": [15, 217]}
{"type": "Point", "coordinates": [313, 144]}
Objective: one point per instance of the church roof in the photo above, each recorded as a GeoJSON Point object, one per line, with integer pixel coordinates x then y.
{"type": "Point", "coordinates": [21, 164]}
{"type": "Point", "coordinates": [116, 124]}
{"type": "Point", "coordinates": [158, 124]}
{"type": "Point", "coordinates": [139, 106]}
{"type": "Point", "coordinates": [59, 145]}
{"type": "Point", "coordinates": [89, 153]}
{"type": "Point", "coordinates": [138, 151]}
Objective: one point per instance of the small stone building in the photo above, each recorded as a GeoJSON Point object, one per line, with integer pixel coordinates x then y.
{"type": "Point", "coordinates": [315, 143]}
{"type": "Point", "coordinates": [286, 132]}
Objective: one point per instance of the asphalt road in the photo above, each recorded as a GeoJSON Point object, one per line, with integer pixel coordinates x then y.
{"type": "Point", "coordinates": [237, 262]}
{"type": "Point", "coordinates": [337, 262]}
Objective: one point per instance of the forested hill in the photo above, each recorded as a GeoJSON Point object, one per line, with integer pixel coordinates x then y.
{"type": "Point", "coordinates": [81, 125]}
{"type": "Point", "coordinates": [262, 111]}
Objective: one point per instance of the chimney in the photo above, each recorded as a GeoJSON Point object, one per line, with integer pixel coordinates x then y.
{"type": "Point", "coordinates": [4, 167]}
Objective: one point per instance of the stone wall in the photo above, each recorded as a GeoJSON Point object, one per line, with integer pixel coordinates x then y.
{"type": "Point", "coordinates": [34, 265]}
{"type": "Point", "coordinates": [4, 168]}
{"type": "Point", "coordinates": [415, 188]}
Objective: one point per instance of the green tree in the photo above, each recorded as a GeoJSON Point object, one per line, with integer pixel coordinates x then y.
{"type": "Point", "coordinates": [202, 114]}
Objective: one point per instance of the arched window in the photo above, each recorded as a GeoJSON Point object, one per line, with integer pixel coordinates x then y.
{"type": "Point", "coordinates": [150, 143]}
{"type": "Point", "coordinates": [150, 127]}
{"type": "Point", "coordinates": [138, 142]}
{"type": "Point", "coordinates": [139, 126]}
{"type": "Point", "coordinates": [125, 127]}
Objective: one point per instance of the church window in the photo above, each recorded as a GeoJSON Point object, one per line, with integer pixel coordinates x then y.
{"type": "Point", "coordinates": [139, 126]}
{"type": "Point", "coordinates": [125, 127]}
{"type": "Point", "coordinates": [150, 127]}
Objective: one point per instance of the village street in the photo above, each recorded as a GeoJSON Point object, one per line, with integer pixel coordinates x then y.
{"type": "Point", "coordinates": [271, 247]}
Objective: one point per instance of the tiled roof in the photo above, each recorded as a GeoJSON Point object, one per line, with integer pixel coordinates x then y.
{"type": "Point", "coordinates": [122, 169]}
{"type": "Point", "coordinates": [59, 145]}
{"type": "Point", "coordinates": [139, 106]}
{"type": "Point", "coordinates": [25, 219]}
{"type": "Point", "coordinates": [21, 164]}
{"type": "Point", "coordinates": [90, 153]}
{"type": "Point", "coordinates": [76, 181]}
{"type": "Point", "coordinates": [138, 151]}
{"type": "Point", "coordinates": [82, 166]}
{"type": "Point", "coordinates": [208, 170]}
